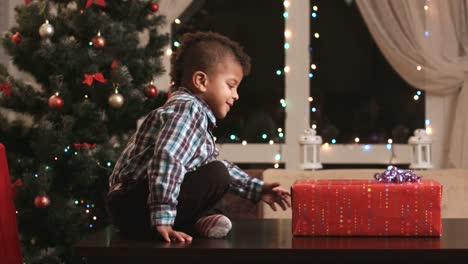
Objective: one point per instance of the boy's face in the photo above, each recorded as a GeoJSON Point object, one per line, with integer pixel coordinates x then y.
{"type": "Point", "coordinates": [221, 86]}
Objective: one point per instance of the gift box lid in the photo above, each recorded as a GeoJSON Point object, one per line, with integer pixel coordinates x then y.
{"type": "Point", "coordinates": [354, 182]}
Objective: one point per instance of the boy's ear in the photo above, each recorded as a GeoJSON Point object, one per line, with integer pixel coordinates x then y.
{"type": "Point", "coordinates": [200, 81]}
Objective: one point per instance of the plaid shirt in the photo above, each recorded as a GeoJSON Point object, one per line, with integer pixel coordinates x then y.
{"type": "Point", "coordinates": [171, 141]}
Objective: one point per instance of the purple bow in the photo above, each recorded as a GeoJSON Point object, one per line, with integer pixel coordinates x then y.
{"type": "Point", "coordinates": [395, 175]}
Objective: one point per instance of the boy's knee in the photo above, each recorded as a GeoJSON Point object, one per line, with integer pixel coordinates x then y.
{"type": "Point", "coordinates": [219, 172]}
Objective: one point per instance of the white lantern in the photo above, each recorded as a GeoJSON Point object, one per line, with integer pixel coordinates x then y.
{"type": "Point", "coordinates": [421, 157]}
{"type": "Point", "coordinates": [310, 150]}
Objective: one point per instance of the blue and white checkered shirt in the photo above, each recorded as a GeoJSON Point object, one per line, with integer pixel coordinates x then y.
{"type": "Point", "coordinates": [171, 141]}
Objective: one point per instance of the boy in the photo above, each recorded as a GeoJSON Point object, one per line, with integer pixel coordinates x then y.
{"type": "Point", "coordinates": [168, 179]}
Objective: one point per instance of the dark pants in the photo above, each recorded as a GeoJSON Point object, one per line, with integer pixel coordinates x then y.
{"type": "Point", "coordinates": [200, 194]}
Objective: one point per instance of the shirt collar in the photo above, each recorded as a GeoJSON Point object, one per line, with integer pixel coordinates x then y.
{"type": "Point", "coordinates": [203, 104]}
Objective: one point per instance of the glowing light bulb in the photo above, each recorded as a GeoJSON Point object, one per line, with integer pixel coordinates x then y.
{"type": "Point", "coordinates": [429, 130]}
{"type": "Point", "coordinates": [278, 157]}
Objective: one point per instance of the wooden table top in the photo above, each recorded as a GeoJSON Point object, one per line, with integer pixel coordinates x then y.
{"type": "Point", "coordinates": [272, 240]}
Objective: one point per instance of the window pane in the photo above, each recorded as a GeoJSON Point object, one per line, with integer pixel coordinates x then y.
{"type": "Point", "coordinates": [356, 93]}
{"type": "Point", "coordinates": [259, 27]}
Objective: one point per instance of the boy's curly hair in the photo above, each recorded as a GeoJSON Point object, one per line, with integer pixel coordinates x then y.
{"type": "Point", "coordinates": [202, 51]}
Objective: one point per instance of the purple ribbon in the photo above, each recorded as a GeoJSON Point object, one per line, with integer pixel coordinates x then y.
{"type": "Point", "coordinates": [395, 175]}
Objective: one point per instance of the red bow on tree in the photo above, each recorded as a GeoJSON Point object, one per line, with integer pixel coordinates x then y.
{"type": "Point", "coordinates": [27, 2]}
{"type": "Point", "coordinates": [5, 87]}
{"type": "Point", "coordinates": [97, 2]}
{"type": "Point", "coordinates": [84, 145]}
{"type": "Point", "coordinates": [88, 78]}
{"type": "Point", "coordinates": [15, 185]}
{"type": "Point", "coordinates": [114, 64]}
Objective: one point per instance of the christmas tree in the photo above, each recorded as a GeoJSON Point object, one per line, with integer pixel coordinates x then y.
{"type": "Point", "coordinates": [94, 72]}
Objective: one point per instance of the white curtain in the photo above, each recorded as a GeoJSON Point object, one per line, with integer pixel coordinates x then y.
{"type": "Point", "coordinates": [433, 37]}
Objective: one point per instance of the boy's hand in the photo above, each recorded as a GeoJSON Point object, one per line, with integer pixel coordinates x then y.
{"type": "Point", "coordinates": [272, 193]}
{"type": "Point", "coordinates": [169, 234]}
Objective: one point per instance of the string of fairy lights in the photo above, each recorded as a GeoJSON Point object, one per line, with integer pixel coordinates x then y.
{"type": "Point", "coordinates": [327, 146]}
{"type": "Point", "coordinates": [43, 200]}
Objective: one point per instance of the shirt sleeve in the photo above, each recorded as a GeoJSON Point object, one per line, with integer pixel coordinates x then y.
{"type": "Point", "coordinates": [176, 143]}
{"type": "Point", "coordinates": [242, 184]}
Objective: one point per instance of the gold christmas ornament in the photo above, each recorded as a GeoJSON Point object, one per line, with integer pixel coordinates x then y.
{"type": "Point", "coordinates": [46, 30]}
{"type": "Point", "coordinates": [116, 100]}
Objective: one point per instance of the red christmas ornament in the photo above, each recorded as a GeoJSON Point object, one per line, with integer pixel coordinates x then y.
{"type": "Point", "coordinates": [154, 7]}
{"type": "Point", "coordinates": [55, 102]}
{"type": "Point", "coordinates": [151, 91]}
{"type": "Point", "coordinates": [99, 42]}
{"type": "Point", "coordinates": [16, 38]}
{"type": "Point", "coordinates": [42, 201]}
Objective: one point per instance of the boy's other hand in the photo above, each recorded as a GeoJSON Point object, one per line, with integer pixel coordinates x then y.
{"type": "Point", "coordinates": [169, 234]}
{"type": "Point", "coordinates": [273, 194]}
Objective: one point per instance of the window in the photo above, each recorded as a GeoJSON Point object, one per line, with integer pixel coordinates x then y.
{"type": "Point", "coordinates": [356, 96]}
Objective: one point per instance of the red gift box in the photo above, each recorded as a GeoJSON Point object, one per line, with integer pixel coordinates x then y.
{"type": "Point", "coordinates": [366, 208]}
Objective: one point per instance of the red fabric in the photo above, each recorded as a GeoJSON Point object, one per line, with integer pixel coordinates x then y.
{"type": "Point", "coordinates": [10, 251]}
{"type": "Point", "coordinates": [366, 208]}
